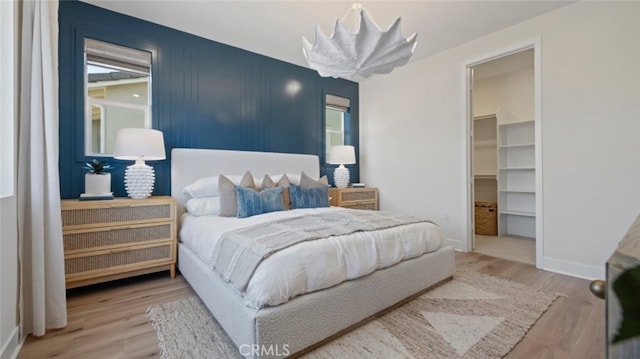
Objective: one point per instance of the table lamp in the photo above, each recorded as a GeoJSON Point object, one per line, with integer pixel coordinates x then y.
{"type": "Point", "coordinates": [342, 155]}
{"type": "Point", "coordinates": [139, 144]}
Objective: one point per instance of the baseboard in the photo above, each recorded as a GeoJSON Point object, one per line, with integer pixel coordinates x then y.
{"type": "Point", "coordinates": [11, 348]}
{"type": "Point", "coordinates": [561, 266]}
{"type": "Point", "coordinates": [573, 269]}
{"type": "Point", "coordinates": [456, 244]}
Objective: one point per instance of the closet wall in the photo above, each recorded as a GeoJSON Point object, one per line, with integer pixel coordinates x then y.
{"type": "Point", "coordinates": [485, 158]}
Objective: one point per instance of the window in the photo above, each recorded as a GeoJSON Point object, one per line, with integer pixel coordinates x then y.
{"type": "Point", "coordinates": [117, 93]}
{"type": "Point", "coordinates": [335, 128]}
{"type": "Point", "coordinates": [336, 122]}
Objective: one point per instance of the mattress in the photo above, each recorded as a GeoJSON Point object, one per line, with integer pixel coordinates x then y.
{"type": "Point", "coordinates": [313, 265]}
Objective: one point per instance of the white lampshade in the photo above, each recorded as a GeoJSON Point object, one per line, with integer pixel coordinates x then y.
{"type": "Point", "coordinates": [342, 155]}
{"type": "Point", "coordinates": [139, 144]}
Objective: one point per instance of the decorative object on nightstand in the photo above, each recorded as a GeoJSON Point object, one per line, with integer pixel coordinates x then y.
{"type": "Point", "coordinates": [354, 198]}
{"type": "Point", "coordinates": [97, 183]}
{"type": "Point", "coordinates": [107, 240]}
{"type": "Point", "coordinates": [139, 144]}
{"type": "Point", "coordinates": [342, 155]}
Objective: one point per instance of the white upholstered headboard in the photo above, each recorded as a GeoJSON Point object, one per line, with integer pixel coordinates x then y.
{"type": "Point", "coordinates": [188, 165]}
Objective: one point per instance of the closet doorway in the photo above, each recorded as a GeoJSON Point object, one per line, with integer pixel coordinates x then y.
{"type": "Point", "coordinates": [504, 157]}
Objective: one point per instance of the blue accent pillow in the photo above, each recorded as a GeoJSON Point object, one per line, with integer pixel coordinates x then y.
{"type": "Point", "coordinates": [309, 197]}
{"type": "Point", "coordinates": [252, 202]}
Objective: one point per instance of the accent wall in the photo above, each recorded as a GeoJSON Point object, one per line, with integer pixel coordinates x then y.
{"type": "Point", "coordinates": [204, 95]}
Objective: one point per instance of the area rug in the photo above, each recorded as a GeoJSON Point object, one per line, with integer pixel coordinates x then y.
{"type": "Point", "coordinates": [472, 316]}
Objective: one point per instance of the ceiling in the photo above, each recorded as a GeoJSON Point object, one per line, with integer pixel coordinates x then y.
{"type": "Point", "coordinates": [275, 28]}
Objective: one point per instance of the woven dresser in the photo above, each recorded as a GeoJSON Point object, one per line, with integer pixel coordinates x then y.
{"type": "Point", "coordinates": [113, 239]}
{"type": "Point", "coordinates": [355, 198]}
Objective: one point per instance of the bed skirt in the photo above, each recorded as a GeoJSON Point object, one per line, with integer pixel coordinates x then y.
{"type": "Point", "coordinates": [311, 318]}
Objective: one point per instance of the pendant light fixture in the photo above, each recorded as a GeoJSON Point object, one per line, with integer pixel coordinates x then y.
{"type": "Point", "coordinates": [359, 54]}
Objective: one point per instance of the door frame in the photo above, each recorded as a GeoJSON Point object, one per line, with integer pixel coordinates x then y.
{"type": "Point", "coordinates": [534, 44]}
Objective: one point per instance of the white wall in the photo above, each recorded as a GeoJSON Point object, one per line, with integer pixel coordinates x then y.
{"type": "Point", "coordinates": [9, 341]}
{"type": "Point", "coordinates": [413, 144]}
{"type": "Point", "coordinates": [485, 160]}
{"type": "Point", "coordinates": [6, 99]}
{"type": "Point", "coordinates": [485, 147]}
{"type": "Point", "coordinates": [513, 91]}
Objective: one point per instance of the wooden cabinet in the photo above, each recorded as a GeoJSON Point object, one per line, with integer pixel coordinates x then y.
{"type": "Point", "coordinates": [356, 198]}
{"type": "Point", "coordinates": [113, 239]}
{"type": "Point", "coordinates": [516, 179]}
{"type": "Point", "coordinates": [622, 268]}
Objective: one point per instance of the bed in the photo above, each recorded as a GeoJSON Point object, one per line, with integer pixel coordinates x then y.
{"type": "Point", "coordinates": [307, 319]}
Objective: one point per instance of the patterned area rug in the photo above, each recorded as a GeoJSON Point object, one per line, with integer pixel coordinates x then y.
{"type": "Point", "coordinates": [472, 316]}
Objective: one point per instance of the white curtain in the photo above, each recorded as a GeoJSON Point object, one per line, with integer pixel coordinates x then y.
{"type": "Point", "coordinates": [43, 296]}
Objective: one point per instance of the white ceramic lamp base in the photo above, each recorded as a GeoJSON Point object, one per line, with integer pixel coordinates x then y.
{"type": "Point", "coordinates": [139, 179]}
{"type": "Point", "coordinates": [341, 176]}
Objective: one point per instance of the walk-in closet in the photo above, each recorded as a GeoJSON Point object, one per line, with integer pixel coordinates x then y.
{"type": "Point", "coordinates": [504, 166]}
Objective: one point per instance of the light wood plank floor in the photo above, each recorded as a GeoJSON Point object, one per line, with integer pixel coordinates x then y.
{"type": "Point", "coordinates": [109, 321]}
{"type": "Point", "coordinates": [509, 248]}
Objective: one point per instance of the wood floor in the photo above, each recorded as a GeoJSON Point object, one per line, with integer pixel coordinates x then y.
{"type": "Point", "coordinates": [516, 249]}
{"type": "Point", "coordinates": [109, 321]}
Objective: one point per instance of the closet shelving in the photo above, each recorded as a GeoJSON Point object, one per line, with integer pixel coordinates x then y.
{"type": "Point", "coordinates": [516, 178]}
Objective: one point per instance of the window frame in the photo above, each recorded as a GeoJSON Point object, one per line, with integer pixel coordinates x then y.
{"type": "Point", "coordinates": [336, 103]}
{"type": "Point", "coordinates": [134, 66]}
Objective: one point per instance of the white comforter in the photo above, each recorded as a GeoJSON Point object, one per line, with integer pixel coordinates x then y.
{"type": "Point", "coordinates": [312, 265]}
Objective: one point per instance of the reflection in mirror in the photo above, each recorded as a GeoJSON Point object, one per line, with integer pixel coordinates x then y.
{"type": "Point", "coordinates": [118, 93]}
{"type": "Point", "coordinates": [336, 121]}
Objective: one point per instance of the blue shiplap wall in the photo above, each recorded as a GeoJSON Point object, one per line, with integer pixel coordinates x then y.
{"type": "Point", "coordinates": [204, 94]}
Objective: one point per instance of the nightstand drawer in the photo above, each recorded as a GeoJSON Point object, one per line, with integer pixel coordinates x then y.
{"type": "Point", "coordinates": [372, 206]}
{"type": "Point", "coordinates": [354, 198]}
{"type": "Point", "coordinates": [116, 213]}
{"type": "Point", "coordinates": [120, 259]}
{"type": "Point", "coordinates": [88, 239]}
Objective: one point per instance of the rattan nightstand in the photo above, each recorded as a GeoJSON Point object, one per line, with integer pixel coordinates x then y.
{"type": "Point", "coordinates": [356, 198]}
{"type": "Point", "coordinates": [113, 239]}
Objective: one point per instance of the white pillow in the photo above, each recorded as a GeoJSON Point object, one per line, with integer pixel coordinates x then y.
{"type": "Point", "coordinates": [207, 186]}
{"type": "Point", "coordinates": [293, 178]}
{"type": "Point", "coordinates": [203, 206]}
{"type": "Point", "coordinates": [204, 187]}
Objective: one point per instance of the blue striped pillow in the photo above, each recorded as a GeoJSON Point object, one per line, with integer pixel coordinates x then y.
{"type": "Point", "coordinates": [309, 197]}
{"type": "Point", "coordinates": [252, 202]}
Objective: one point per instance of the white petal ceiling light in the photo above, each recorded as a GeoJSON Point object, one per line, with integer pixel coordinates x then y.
{"type": "Point", "coordinates": [359, 54]}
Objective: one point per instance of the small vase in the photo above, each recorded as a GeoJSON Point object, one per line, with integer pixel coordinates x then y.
{"type": "Point", "coordinates": [97, 183]}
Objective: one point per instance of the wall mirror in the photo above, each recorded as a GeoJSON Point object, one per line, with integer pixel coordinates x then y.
{"type": "Point", "coordinates": [337, 122]}
{"type": "Point", "coordinates": [117, 93]}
